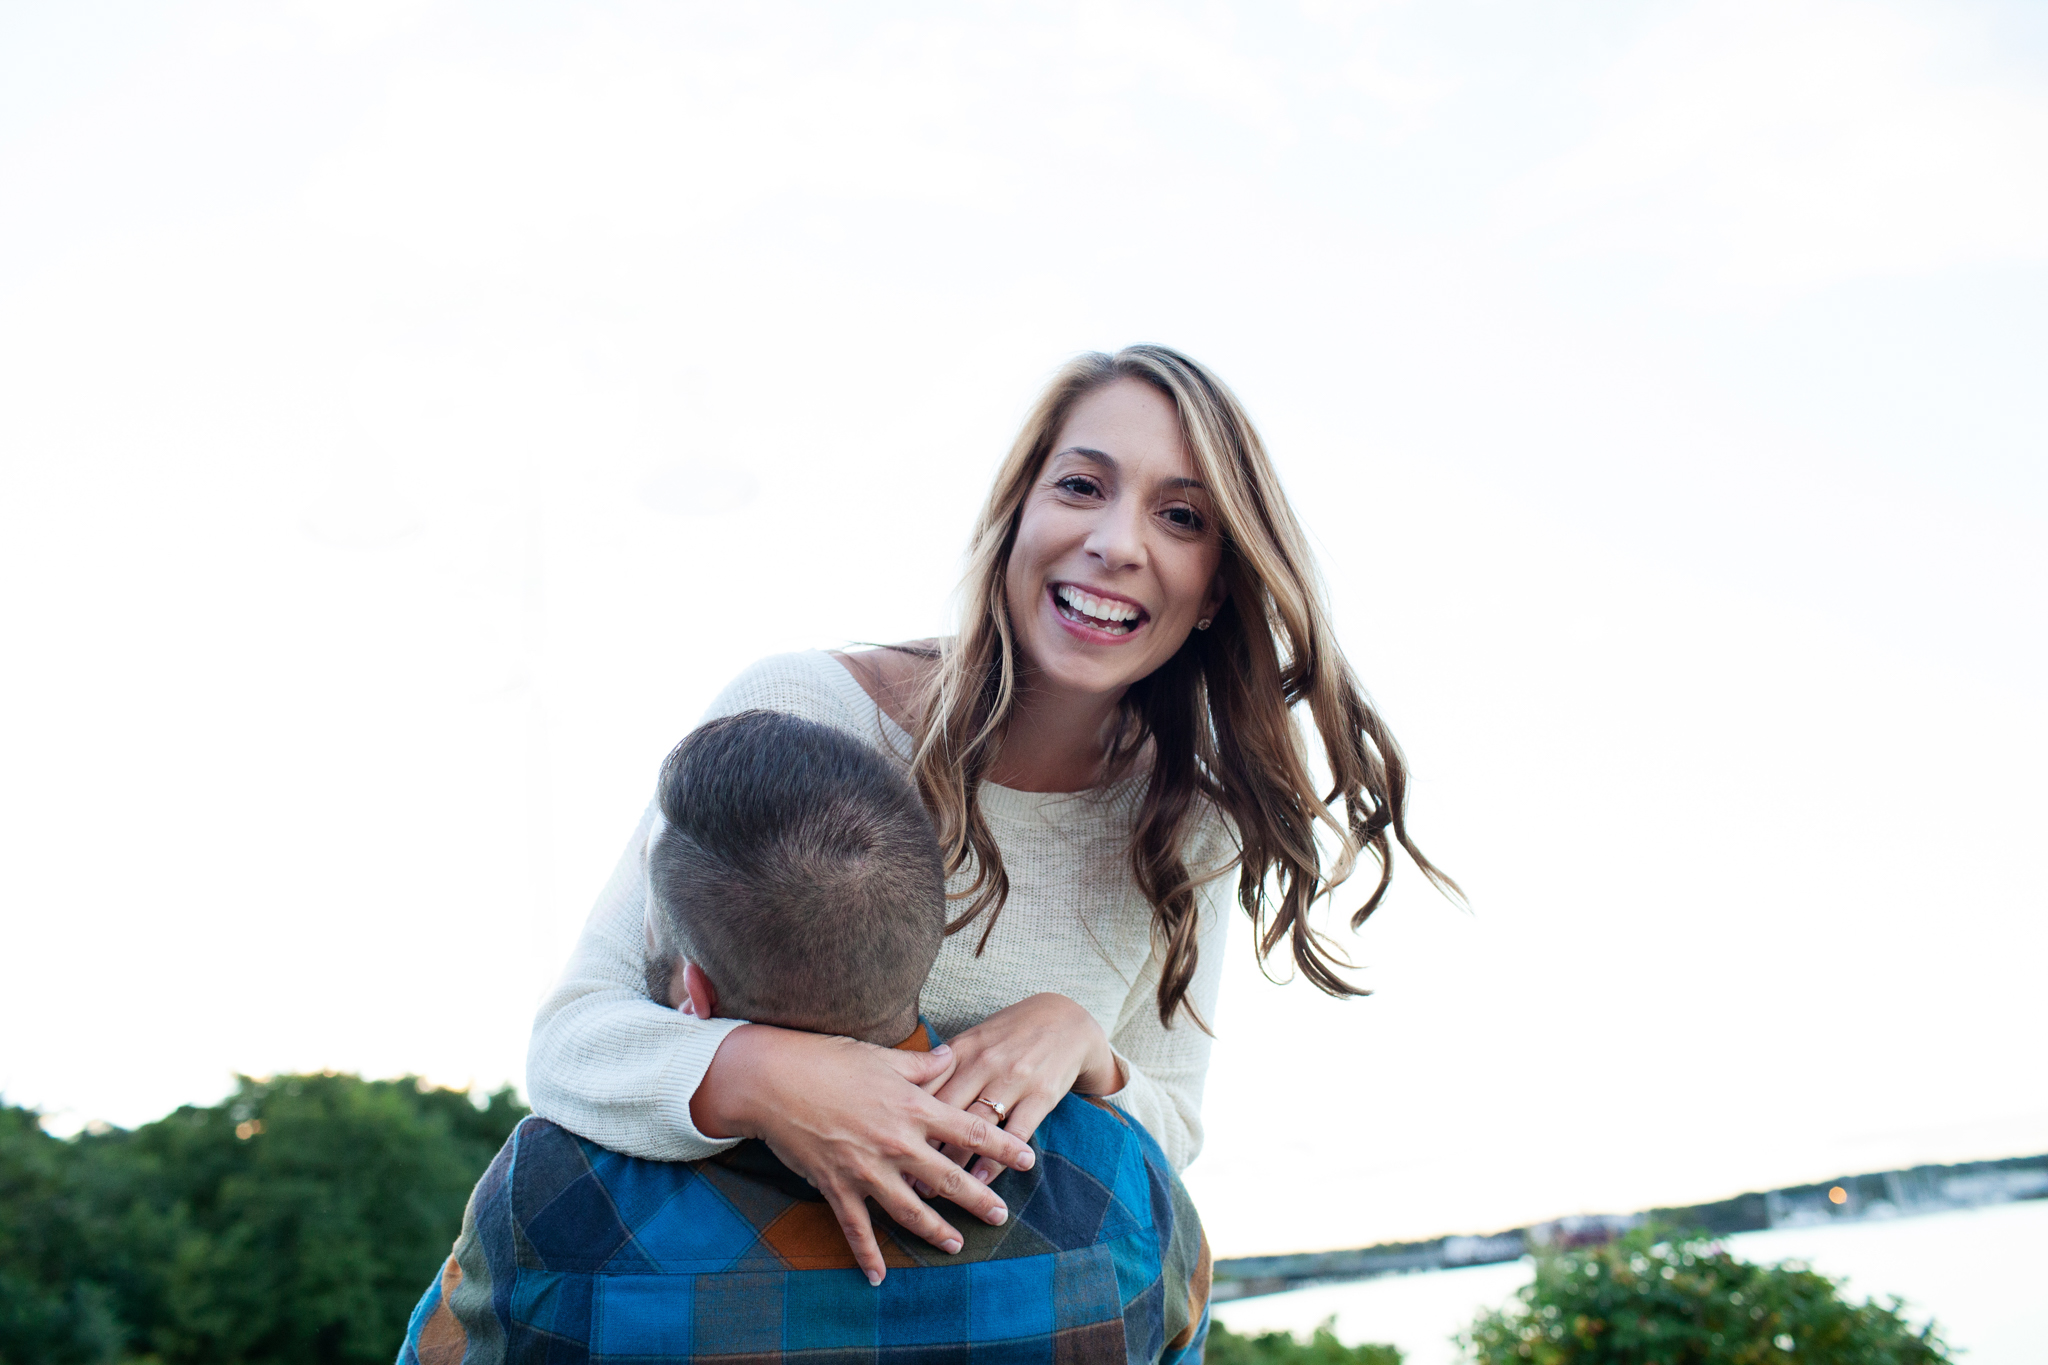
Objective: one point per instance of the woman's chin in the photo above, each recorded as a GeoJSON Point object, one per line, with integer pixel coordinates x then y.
{"type": "Point", "coordinates": [1082, 668]}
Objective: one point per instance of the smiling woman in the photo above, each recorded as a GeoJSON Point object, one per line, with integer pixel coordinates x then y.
{"type": "Point", "coordinates": [1108, 737]}
{"type": "Point", "coordinates": [1139, 484]}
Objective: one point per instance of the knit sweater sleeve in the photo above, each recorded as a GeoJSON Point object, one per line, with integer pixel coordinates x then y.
{"type": "Point", "coordinates": [606, 1061]}
{"type": "Point", "coordinates": [1166, 1067]}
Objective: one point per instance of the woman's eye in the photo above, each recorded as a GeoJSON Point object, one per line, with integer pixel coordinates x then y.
{"type": "Point", "coordinates": [1186, 518]}
{"type": "Point", "coordinates": [1080, 485]}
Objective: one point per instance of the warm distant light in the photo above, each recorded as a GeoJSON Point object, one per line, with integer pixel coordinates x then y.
{"type": "Point", "coordinates": [1838, 1195]}
{"type": "Point", "coordinates": [248, 1128]}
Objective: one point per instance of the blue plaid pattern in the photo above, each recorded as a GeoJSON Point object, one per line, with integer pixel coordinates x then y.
{"type": "Point", "coordinates": [571, 1254]}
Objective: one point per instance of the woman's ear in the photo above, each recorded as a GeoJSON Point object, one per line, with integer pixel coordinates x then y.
{"type": "Point", "coordinates": [702, 995]}
{"type": "Point", "coordinates": [1219, 593]}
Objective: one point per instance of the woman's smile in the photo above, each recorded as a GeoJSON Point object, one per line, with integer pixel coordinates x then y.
{"type": "Point", "coordinates": [1097, 614]}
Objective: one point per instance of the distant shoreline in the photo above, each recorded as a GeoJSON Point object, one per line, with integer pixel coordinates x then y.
{"type": "Point", "coordinates": [1847, 1199]}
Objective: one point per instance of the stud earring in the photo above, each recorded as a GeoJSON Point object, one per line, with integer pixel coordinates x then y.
{"type": "Point", "coordinates": [1202, 624]}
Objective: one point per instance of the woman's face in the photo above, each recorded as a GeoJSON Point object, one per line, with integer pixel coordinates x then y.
{"type": "Point", "coordinates": [1117, 550]}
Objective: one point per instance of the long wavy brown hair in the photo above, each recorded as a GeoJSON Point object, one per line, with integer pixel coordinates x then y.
{"type": "Point", "coordinates": [1216, 720]}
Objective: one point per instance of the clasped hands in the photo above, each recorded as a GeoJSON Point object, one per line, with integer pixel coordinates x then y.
{"type": "Point", "coordinates": [861, 1122]}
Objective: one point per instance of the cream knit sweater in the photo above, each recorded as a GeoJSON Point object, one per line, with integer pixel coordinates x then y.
{"type": "Point", "coordinates": [611, 1064]}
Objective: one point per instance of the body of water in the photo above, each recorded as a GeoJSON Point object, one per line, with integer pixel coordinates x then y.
{"type": "Point", "coordinates": [1978, 1272]}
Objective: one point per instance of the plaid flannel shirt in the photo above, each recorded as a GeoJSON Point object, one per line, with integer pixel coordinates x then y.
{"type": "Point", "coordinates": [573, 1253]}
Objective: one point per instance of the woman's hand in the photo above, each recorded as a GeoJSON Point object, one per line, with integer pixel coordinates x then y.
{"type": "Point", "coordinates": [852, 1119]}
{"type": "Point", "coordinates": [1026, 1058]}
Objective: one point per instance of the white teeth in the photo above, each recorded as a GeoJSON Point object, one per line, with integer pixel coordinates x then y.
{"type": "Point", "coordinates": [1099, 608]}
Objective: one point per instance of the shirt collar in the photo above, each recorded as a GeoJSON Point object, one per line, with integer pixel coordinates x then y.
{"type": "Point", "coordinates": [923, 1038]}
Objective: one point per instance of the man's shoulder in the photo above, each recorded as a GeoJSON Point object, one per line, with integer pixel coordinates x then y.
{"type": "Point", "coordinates": [549, 1170]}
{"type": "Point", "coordinates": [1099, 1178]}
{"type": "Point", "coordinates": [1094, 1134]}
{"type": "Point", "coordinates": [582, 1208]}
{"type": "Point", "coordinates": [1100, 1169]}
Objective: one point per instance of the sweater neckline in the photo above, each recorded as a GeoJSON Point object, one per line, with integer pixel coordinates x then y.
{"type": "Point", "coordinates": [997, 801]}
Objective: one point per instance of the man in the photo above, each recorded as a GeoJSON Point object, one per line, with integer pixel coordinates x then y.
{"type": "Point", "coordinates": [797, 882]}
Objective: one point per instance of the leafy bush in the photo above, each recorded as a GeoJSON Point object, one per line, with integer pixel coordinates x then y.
{"type": "Point", "coordinates": [51, 1309]}
{"type": "Point", "coordinates": [296, 1222]}
{"type": "Point", "coordinates": [1653, 1296]}
{"type": "Point", "coordinates": [1280, 1348]}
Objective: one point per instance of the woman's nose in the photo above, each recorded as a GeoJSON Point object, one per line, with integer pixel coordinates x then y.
{"type": "Point", "coordinates": [1117, 541]}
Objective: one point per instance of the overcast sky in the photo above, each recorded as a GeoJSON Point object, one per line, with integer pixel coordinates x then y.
{"type": "Point", "coordinates": [412, 414]}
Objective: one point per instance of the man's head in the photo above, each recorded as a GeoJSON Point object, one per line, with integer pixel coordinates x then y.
{"type": "Point", "coordinates": [799, 874]}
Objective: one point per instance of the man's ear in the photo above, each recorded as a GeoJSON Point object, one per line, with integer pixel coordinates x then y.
{"type": "Point", "coordinates": [703, 996]}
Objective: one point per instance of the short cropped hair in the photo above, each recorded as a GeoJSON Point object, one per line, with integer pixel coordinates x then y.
{"type": "Point", "coordinates": [799, 871]}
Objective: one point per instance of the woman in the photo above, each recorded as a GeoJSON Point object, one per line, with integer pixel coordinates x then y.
{"type": "Point", "coordinates": [1109, 736]}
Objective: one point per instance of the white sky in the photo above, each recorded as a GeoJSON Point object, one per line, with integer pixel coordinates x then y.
{"type": "Point", "coordinates": [412, 413]}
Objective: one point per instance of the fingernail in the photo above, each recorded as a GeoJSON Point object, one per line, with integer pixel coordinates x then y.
{"type": "Point", "coordinates": [941, 1048]}
{"type": "Point", "coordinates": [950, 1245]}
{"type": "Point", "coordinates": [875, 1279]}
{"type": "Point", "coordinates": [984, 1174]}
{"type": "Point", "coordinates": [998, 1215]}
{"type": "Point", "coordinates": [1026, 1159]}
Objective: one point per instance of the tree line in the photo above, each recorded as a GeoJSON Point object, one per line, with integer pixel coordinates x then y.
{"type": "Point", "coordinates": [298, 1221]}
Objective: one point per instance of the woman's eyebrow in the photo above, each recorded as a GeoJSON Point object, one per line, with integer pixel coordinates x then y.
{"type": "Point", "coordinates": [1090, 454]}
{"type": "Point", "coordinates": [1108, 462]}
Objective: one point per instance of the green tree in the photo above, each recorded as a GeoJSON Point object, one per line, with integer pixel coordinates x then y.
{"type": "Point", "coordinates": [296, 1222]}
{"type": "Point", "coordinates": [1656, 1296]}
{"type": "Point", "coordinates": [1281, 1348]}
{"type": "Point", "coordinates": [52, 1310]}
